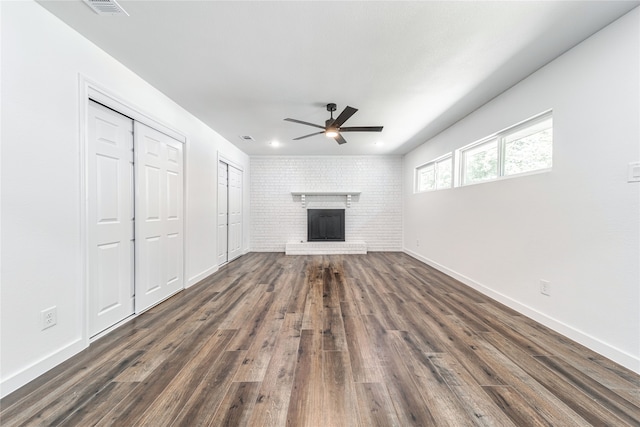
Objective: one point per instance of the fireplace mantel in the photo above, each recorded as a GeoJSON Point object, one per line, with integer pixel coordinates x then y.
{"type": "Point", "coordinates": [303, 195]}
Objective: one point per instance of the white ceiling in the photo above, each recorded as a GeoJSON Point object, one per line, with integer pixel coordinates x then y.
{"type": "Point", "coordinates": [415, 67]}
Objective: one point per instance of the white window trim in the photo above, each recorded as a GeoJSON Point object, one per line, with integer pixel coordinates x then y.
{"type": "Point", "coordinates": [500, 138]}
{"type": "Point", "coordinates": [433, 162]}
{"type": "Point", "coordinates": [460, 155]}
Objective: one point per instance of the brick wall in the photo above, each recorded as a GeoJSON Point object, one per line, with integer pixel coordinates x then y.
{"type": "Point", "coordinates": [375, 216]}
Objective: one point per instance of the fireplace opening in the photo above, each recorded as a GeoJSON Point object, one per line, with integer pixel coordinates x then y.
{"type": "Point", "coordinates": [325, 225]}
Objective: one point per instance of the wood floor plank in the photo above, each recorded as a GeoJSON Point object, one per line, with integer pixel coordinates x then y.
{"type": "Point", "coordinates": [382, 308]}
{"type": "Point", "coordinates": [298, 283]}
{"type": "Point", "coordinates": [237, 405]}
{"type": "Point", "coordinates": [156, 354]}
{"type": "Point", "coordinates": [377, 335]}
{"type": "Point", "coordinates": [499, 320]}
{"type": "Point", "coordinates": [583, 405]}
{"type": "Point", "coordinates": [174, 397]}
{"type": "Point", "coordinates": [606, 398]}
{"type": "Point", "coordinates": [330, 296]}
{"type": "Point", "coordinates": [632, 395]}
{"type": "Point", "coordinates": [360, 296]}
{"type": "Point", "coordinates": [59, 381]}
{"type": "Point", "coordinates": [463, 344]}
{"type": "Point", "coordinates": [294, 281]}
{"type": "Point", "coordinates": [361, 352]}
{"type": "Point", "coordinates": [375, 406]}
{"type": "Point", "coordinates": [537, 385]}
{"type": "Point", "coordinates": [92, 412]}
{"type": "Point", "coordinates": [272, 402]}
{"type": "Point", "coordinates": [259, 352]}
{"type": "Point", "coordinates": [411, 408]}
{"type": "Point", "coordinates": [422, 335]}
{"type": "Point", "coordinates": [313, 308]}
{"type": "Point", "coordinates": [240, 315]}
{"type": "Point", "coordinates": [339, 393]}
{"type": "Point", "coordinates": [443, 404]}
{"type": "Point", "coordinates": [464, 310]}
{"type": "Point", "coordinates": [605, 372]}
{"type": "Point", "coordinates": [333, 333]}
{"type": "Point", "coordinates": [63, 405]}
{"type": "Point", "coordinates": [356, 340]}
{"type": "Point", "coordinates": [475, 402]}
{"type": "Point", "coordinates": [246, 335]}
{"type": "Point", "coordinates": [515, 407]}
{"type": "Point", "coordinates": [202, 408]}
{"type": "Point", "coordinates": [307, 394]}
{"type": "Point", "coordinates": [129, 411]}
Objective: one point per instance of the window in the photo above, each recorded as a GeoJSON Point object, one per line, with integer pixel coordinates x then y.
{"type": "Point", "coordinates": [523, 148]}
{"type": "Point", "coordinates": [435, 175]}
{"type": "Point", "coordinates": [425, 179]}
{"type": "Point", "coordinates": [480, 162]}
{"type": "Point", "coordinates": [528, 149]}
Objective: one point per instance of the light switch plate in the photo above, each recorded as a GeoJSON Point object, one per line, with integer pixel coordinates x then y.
{"type": "Point", "coordinates": [634, 172]}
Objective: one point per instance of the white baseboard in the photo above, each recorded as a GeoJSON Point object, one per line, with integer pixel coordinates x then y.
{"type": "Point", "coordinates": [30, 373]}
{"type": "Point", "coordinates": [198, 277]}
{"type": "Point", "coordinates": [619, 356]}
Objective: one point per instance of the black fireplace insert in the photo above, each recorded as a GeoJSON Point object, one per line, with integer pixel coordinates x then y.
{"type": "Point", "coordinates": [325, 225]}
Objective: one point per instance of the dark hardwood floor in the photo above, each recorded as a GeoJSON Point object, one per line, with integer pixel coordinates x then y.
{"type": "Point", "coordinates": [354, 340]}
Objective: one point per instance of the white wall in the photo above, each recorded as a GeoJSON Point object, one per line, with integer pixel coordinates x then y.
{"type": "Point", "coordinates": [41, 247]}
{"type": "Point", "coordinates": [577, 226]}
{"type": "Point", "coordinates": [375, 216]}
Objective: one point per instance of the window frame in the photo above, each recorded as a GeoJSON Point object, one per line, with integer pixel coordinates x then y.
{"type": "Point", "coordinates": [500, 137]}
{"type": "Point", "coordinates": [434, 164]}
{"type": "Point", "coordinates": [463, 160]}
{"type": "Point", "coordinates": [517, 128]}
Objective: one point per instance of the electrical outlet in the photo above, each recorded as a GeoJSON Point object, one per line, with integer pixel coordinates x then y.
{"type": "Point", "coordinates": [545, 287]}
{"type": "Point", "coordinates": [49, 317]}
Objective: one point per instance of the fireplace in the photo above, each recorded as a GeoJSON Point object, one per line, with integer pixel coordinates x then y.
{"type": "Point", "coordinates": [325, 225]}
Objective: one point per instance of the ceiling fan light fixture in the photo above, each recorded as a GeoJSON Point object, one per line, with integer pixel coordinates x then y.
{"type": "Point", "coordinates": [333, 127]}
{"type": "Point", "coordinates": [331, 132]}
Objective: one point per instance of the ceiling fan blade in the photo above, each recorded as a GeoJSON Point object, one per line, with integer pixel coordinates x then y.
{"type": "Point", "coordinates": [362, 129]}
{"type": "Point", "coordinates": [339, 139]}
{"type": "Point", "coordinates": [344, 116]}
{"type": "Point", "coordinates": [307, 136]}
{"type": "Point", "coordinates": [304, 123]}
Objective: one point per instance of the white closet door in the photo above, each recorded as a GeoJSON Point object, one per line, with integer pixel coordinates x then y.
{"type": "Point", "coordinates": [159, 221]}
{"type": "Point", "coordinates": [110, 218]}
{"type": "Point", "coordinates": [235, 213]}
{"type": "Point", "coordinates": [223, 213]}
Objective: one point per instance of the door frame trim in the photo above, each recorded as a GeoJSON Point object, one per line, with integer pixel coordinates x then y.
{"type": "Point", "coordinates": [223, 159]}
{"type": "Point", "coordinates": [88, 90]}
{"type": "Point", "coordinates": [229, 162]}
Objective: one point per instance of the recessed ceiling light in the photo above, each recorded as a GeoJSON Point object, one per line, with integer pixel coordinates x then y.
{"type": "Point", "coordinates": [274, 143]}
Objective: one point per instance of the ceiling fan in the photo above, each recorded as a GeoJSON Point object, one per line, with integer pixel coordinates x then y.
{"type": "Point", "coordinates": [332, 127]}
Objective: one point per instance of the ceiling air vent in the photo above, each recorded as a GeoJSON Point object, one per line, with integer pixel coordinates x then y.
{"type": "Point", "coordinates": [106, 7]}
{"type": "Point", "coordinates": [247, 138]}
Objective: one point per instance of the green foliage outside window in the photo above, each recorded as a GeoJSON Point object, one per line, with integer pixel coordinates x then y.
{"type": "Point", "coordinates": [529, 153]}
